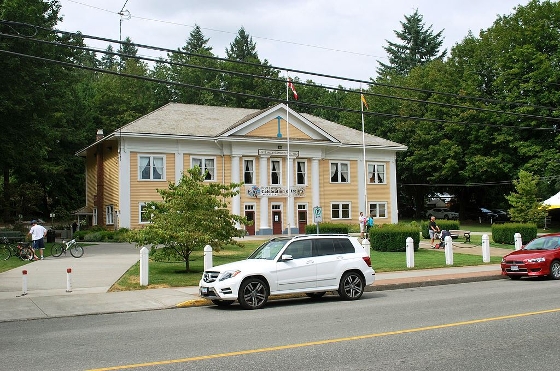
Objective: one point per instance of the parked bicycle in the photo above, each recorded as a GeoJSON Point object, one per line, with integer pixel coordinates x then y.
{"type": "Point", "coordinates": [21, 250]}
{"type": "Point", "coordinates": [76, 250]}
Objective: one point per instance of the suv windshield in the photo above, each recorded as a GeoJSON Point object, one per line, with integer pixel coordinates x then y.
{"type": "Point", "coordinates": [269, 249]}
{"type": "Point", "coordinates": [544, 243]}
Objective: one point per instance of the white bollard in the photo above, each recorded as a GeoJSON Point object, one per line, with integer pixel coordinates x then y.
{"type": "Point", "coordinates": [485, 248]}
{"type": "Point", "coordinates": [409, 252]}
{"type": "Point", "coordinates": [367, 246]}
{"type": "Point", "coordinates": [24, 282]}
{"type": "Point", "coordinates": [518, 241]}
{"type": "Point", "coordinates": [68, 280]}
{"type": "Point", "coordinates": [448, 250]}
{"type": "Point", "coordinates": [208, 257]}
{"type": "Point", "coordinates": [144, 252]}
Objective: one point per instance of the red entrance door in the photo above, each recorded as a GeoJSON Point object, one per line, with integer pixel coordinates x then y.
{"type": "Point", "coordinates": [276, 222]}
{"type": "Point", "coordinates": [302, 220]}
{"type": "Point", "coordinates": [250, 215]}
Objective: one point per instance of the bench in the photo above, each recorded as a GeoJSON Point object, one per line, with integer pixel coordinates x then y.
{"type": "Point", "coordinates": [456, 233]}
{"type": "Point", "coordinates": [12, 236]}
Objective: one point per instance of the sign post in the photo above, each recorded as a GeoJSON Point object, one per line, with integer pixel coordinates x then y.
{"type": "Point", "coordinates": [317, 216]}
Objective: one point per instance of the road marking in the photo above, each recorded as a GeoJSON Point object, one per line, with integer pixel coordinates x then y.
{"type": "Point", "coordinates": [327, 341]}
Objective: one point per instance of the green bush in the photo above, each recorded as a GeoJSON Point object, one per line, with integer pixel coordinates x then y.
{"type": "Point", "coordinates": [327, 228]}
{"type": "Point", "coordinates": [98, 234]}
{"type": "Point", "coordinates": [505, 233]}
{"type": "Point", "coordinates": [392, 237]}
{"type": "Point", "coordinates": [442, 224]}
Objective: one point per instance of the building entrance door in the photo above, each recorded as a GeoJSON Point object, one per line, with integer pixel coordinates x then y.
{"type": "Point", "coordinates": [302, 220]}
{"type": "Point", "coordinates": [250, 215]}
{"type": "Point", "coordinates": [276, 222]}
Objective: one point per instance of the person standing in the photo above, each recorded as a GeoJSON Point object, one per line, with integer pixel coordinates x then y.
{"type": "Point", "coordinates": [362, 221]}
{"type": "Point", "coordinates": [37, 232]}
{"type": "Point", "coordinates": [369, 222]}
{"type": "Point", "coordinates": [433, 229]}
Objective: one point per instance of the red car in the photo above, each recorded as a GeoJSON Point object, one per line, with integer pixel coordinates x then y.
{"type": "Point", "coordinates": [540, 257]}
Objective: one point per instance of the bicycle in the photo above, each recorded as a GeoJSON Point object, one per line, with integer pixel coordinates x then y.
{"type": "Point", "coordinates": [21, 250]}
{"type": "Point", "coordinates": [76, 250]}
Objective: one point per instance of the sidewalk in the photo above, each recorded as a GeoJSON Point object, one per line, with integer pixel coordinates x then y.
{"type": "Point", "coordinates": [104, 263]}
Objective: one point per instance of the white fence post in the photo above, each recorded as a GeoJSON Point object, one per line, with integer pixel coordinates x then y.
{"type": "Point", "coordinates": [24, 282]}
{"type": "Point", "coordinates": [518, 242]}
{"type": "Point", "coordinates": [68, 280]}
{"type": "Point", "coordinates": [448, 250]}
{"type": "Point", "coordinates": [367, 246]}
{"type": "Point", "coordinates": [144, 252]}
{"type": "Point", "coordinates": [485, 248]}
{"type": "Point", "coordinates": [208, 257]}
{"type": "Point", "coordinates": [409, 252]}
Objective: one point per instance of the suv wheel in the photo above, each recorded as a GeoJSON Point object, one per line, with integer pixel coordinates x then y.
{"type": "Point", "coordinates": [351, 286]}
{"type": "Point", "coordinates": [253, 294]}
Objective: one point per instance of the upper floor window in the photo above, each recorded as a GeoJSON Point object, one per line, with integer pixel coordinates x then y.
{"type": "Point", "coordinates": [151, 167]}
{"type": "Point", "coordinates": [339, 172]}
{"type": "Point", "coordinates": [206, 165]}
{"type": "Point", "coordinates": [301, 172]}
{"type": "Point", "coordinates": [249, 171]}
{"type": "Point", "coordinates": [376, 173]}
{"type": "Point", "coordinates": [275, 172]}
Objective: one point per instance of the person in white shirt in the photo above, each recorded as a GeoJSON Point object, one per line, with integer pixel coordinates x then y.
{"type": "Point", "coordinates": [37, 232]}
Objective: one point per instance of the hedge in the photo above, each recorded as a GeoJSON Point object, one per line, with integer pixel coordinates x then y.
{"type": "Point", "coordinates": [505, 233]}
{"type": "Point", "coordinates": [392, 237]}
{"type": "Point", "coordinates": [327, 228]}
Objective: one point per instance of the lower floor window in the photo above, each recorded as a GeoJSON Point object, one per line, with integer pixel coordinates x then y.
{"type": "Point", "coordinates": [144, 215]}
{"type": "Point", "coordinates": [340, 210]}
{"type": "Point", "coordinates": [109, 215]}
{"type": "Point", "coordinates": [378, 209]}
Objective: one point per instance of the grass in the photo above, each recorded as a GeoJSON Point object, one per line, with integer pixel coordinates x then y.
{"type": "Point", "coordinates": [15, 262]}
{"type": "Point", "coordinates": [173, 274]}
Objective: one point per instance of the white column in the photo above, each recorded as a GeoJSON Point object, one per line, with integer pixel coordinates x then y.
{"type": "Point", "coordinates": [178, 166]}
{"type": "Point", "coordinates": [124, 186]}
{"type": "Point", "coordinates": [393, 191]}
{"type": "Point", "coordinates": [235, 178]}
{"type": "Point", "coordinates": [290, 169]}
{"type": "Point", "coordinates": [315, 186]}
{"type": "Point", "coordinates": [263, 181]}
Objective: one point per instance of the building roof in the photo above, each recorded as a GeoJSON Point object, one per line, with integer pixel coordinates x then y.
{"type": "Point", "coordinates": [189, 120]}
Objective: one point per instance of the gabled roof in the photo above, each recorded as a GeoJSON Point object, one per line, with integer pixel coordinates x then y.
{"type": "Point", "coordinates": [195, 121]}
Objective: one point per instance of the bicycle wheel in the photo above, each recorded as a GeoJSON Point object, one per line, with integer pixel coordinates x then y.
{"type": "Point", "coordinates": [57, 249]}
{"type": "Point", "coordinates": [77, 250]}
{"type": "Point", "coordinates": [26, 253]}
{"type": "Point", "coordinates": [5, 252]}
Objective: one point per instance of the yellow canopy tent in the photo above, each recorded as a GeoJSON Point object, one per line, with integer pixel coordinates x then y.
{"type": "Point", "coordinates": [553, 202]}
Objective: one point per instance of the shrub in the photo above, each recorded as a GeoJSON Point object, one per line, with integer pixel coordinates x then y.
{"type": "Point", "coordinates": [505, 233]}
{"type": "Point", "coordinates": [442, 224]}
{"type": "Point", "coordinates": [392, 237]}
{"type": "Point", "coordinates": [327, 228]}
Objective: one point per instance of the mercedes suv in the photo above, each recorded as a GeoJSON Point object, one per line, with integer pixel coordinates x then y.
{"type": "Point", "coordinates": [310, 264]}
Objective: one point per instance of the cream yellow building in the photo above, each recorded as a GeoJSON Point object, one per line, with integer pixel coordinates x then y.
{"type": "Point", "coordinates": [286, 169]}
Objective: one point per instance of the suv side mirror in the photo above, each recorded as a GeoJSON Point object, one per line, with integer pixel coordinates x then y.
{"type": "Point", "coordinates": [286, 257]}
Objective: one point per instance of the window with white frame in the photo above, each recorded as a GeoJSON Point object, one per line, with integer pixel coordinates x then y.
{"type": "Point", "coordinates": [151, 167]}
{"type": "Point", "coordinates": [378, 209]}
{"type": "Point", "coordinates": [301, 172]}
{"type": "Point", "coordinates": [339, 172]}
{"type": "Point", "coordinates": [249, 171]}
{"type": "Point", "coordinates": [109, 215]}
{"type": "Point", "coordinates": [340, 210]}
{"type": "Point", "coordinates": [275, 171]}
{"type": "Point", "coordinates": [376, 173]}
{"type": "Point", "coordinates": [94, 216]}
{"type": "Point", "coordinates": [206, 165]}
{"type": "Point", "coordinates": [144, 213]}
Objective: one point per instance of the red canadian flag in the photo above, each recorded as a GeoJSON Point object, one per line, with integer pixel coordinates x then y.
{"type": "Point", "coordinates": [291, 86]}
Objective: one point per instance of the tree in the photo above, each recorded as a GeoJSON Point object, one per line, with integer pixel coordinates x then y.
{"type": "Point", "coordinates": [419, 46]}
{"type": "Point", "coordinates": [191, 215]}
{"type": "Point", "coordinates": [525, 205]}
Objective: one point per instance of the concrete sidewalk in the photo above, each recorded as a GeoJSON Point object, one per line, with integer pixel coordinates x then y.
{"type": "Point", "coordinates": [104, 263]}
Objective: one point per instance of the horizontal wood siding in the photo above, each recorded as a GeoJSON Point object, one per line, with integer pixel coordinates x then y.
{"type": "Point", "coordinates": [111, 168]}
{"type": "Point", "coordinates": [270, 130]}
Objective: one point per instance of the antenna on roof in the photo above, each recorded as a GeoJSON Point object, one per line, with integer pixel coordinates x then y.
{"type": "Point", "coordinates": [125, 14]}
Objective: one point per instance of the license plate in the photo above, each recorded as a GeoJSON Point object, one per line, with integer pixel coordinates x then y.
{"type": "Point", "coordinates": [514, 268]}
{"type": "Point", "coordinates": [204, 290]}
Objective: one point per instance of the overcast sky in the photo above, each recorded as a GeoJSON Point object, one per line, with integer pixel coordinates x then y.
{"type": "Point", "coordinates": [340, 38]}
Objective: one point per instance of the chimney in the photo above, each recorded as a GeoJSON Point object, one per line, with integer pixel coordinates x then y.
{"type": "Point", "coordinates": [99, 135]}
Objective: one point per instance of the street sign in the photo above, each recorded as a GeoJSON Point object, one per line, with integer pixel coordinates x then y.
{"type": "Point", "coordinates": [317, 215]}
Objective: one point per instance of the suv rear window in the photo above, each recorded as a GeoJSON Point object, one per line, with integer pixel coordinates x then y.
{"type": "Point", "coordinates": [333, 246]}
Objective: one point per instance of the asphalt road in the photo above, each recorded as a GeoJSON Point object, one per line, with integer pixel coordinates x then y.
{"type": "Point", "coordinates": [492, 325]}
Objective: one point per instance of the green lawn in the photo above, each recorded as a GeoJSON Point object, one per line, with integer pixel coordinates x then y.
{"type": "Point", "coordinates": [15, 262]}
{"type": "Point", "coordinates": [172, 274]}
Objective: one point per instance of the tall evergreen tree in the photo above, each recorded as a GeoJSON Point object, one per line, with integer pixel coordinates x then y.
{"type": "Point", "coordinates": [419, 46]}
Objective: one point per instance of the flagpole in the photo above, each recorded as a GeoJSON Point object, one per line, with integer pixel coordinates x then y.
{"type": "Point", "coordinates": [366, 210]}
{"type": "Point", "coordinates": [288, 156]}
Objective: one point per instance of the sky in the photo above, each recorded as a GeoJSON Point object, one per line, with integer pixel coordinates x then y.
{"type": "Point", "coordinates": [338, 38]}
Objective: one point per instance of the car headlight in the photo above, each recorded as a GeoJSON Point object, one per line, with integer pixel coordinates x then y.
{"type": "Point", "coordinates": [535, 260]}
{"type": "Point", "coordinates": [228, 274]}
{"type": "Point", "coordinates": [503, 260]}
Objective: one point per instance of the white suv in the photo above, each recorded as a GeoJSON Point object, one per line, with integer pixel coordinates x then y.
{"type": "Point", "coordinates": [311, 264]}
